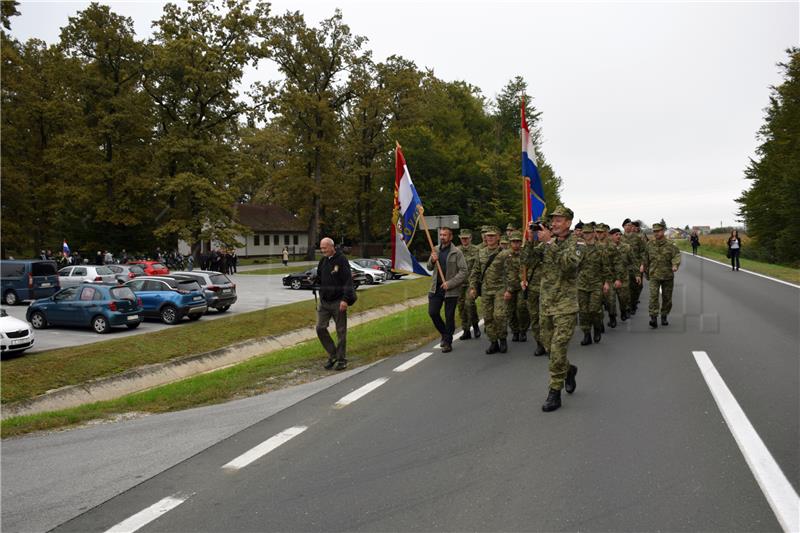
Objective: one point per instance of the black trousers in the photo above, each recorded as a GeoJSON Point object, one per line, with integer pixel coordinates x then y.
{"type": "Point", "coordinates": [447, 326]}
{"type": "Point", "coordinates": [735, 258]}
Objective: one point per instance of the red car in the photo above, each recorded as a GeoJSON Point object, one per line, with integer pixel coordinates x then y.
{"type": "Point", "coordinates": [151, 268]}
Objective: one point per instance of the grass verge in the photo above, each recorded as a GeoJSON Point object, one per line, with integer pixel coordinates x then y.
{"type": "Point", "coordinates": [785, 273]}
{"type": "Point", "coordinates": [274, 271]}
{"type": "Point", "coordinates": [302, 363]}
{"type": "Point", "coordinates": [30, 375]}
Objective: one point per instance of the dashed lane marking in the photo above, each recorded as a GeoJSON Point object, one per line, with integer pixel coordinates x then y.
{"type": "Point", "coordinates": [142, 518]}
{"type": "Point", "coordinates": [779, 492]}
{"type": "Point", "coordinates": [358, 393]}
{"type": "Point", "coordinates": [411, 362]}
{"type": "Point", "coordinates": [265, 447]}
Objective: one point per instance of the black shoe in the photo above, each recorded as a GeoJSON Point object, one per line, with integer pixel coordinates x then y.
{"type": "Point", "coordinates": [602, 327]}
{"type": "Point", "coordinates": [624, 316]}
{"type": "Point", "coordinates": [477, 331]}
{"type": "Point", "coordinates": [523, 337]}
{"type": "Point", "coordinates": [515, 337]}
{"type": "Point", "coordinates": [441, 344]}
{"type": "Point", "coordinates": [612, 320]}
{"type": "Point", "coordinates": [553, 401]}
{"type": "Point", "coordinates": [329, 364]}
{"type": "Point", "coordinates": [466, 335]}
{"type": "Point", "coordinates": [569, 383]}
{"type": "Point", "coordinates": [633, 310]}
{"type": "Point", "coordinates": [493, 348]}
{"type": "Point", "coordinates": [341, 364]}
{"type": "Point", "coordinates": [653, 321]}
{"type": "Point", "coordinates": [587, 339]}
{"type": "Point", "coordinates": [503, 346]}
{"type": "Point", "coordinates": [539, 349]}
{"type": "Point", "coordinates": [664, 320]}
{"type": "Point", "coordinates": [447, 348]}
{"type": "Point", "coordinates": [597, 334]}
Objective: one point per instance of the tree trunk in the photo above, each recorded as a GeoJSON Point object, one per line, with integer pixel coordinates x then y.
{"type": "Point", "coordinates": [313, 230]}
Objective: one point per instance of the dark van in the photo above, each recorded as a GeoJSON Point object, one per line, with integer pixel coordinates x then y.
{"type": "Point", "coordinates": [27, 279]}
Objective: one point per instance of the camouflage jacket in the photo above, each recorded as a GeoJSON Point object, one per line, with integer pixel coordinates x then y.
{"type": "Point", "coordinates": [637, 244]}
{"type": "Point", "coordinates": [629, 262]}
{"type": "Point", "coordinates": [531, 257]}
{"type": "Point", "coordinates": [513, 271]}
{"type": "Point", "coordinates": [494, 279]}
{"type": "Point", "coordinates": [593, 270]}
{"type": "Point", "coordinates": [560, 262]}
{"type": "Point", "coordinates": [471, 255]}
{"type": "Point", "coordinates": [615, 268]}
{"type": "Point", "coordinates": [659, 258]}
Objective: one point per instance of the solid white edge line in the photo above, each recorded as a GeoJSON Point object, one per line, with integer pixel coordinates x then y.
{"type": "Point", "coordinates": [411, 362]}
{"type": "Point", "coordinates": [142, 518]}
{"type": "Point", "coordinates": [437, 347]}
{"type": "Point", "coordinates": [358, 393]}
{"type": "Point", "coordinates": [780, 494]}
{"type": "Point", "coordinates": [265, 447]}
{"type": "Point", "coordinates": [745, 271]}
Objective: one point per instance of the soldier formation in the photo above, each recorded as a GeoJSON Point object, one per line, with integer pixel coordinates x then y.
{"type": "Point", "coordinates": [553, 278]}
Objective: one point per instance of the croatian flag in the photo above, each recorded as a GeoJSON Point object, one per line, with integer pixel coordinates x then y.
{"type": "Point", "coordinates": [530, 173]}
{"type": "Point", "coordinates": [65, 248]}
{"type": "Point", "coordinates": [405, 218]}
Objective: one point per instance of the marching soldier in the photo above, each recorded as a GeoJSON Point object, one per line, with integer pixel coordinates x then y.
{"type": "Point", "coordinates": [519, 320]}
{"type": "Point", "coordinates": [637, 245]}
{"type": "Point", "coordinates": [578, 231]}
{"type": "Point", "coordinates": [661, 260]}
{"type": "Point", "coordinates": [631, 271]}
{"type": "Point", "coordinates": [636, 228]}
{"type": "Point", "coordinates": [467, 307]}
{"type": "Point", "coordinates": [482, 244]}
{"type": "Point", "coordinates": [615, 271]}
{"type": "Point", "coordinates": [531, 259]}
{"type": "Point", "coordinates": [488, 280]}
{"type": "Point", "coordinates": [504, 243]}
{"type": "Point", "coordinates": [509, 229]}
{"type": "Point", "coordinates": [562, 256]}
{"type": "Point", "coordinates": [591, 278]}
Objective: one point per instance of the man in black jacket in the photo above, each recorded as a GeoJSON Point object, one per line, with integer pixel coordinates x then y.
{"type": "Point", "coordinates": [336, 294]}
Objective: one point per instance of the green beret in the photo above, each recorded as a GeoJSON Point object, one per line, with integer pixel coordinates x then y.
{"type": "Point", "coordinates": [464, 233]}
{"type": "Point", "coordinates": [491, 230]}
{"type": "Point", "coordinates": [516, 235]}
{"type": "Point", "coordinates": [561, 211]}
{"type": "Point", "coordinates": [579, 225]}
{"type": "Point", "coordinates": [658, 226]}
{"type": "Point", "coordinates": [615, 231]}
{"type": "Point", "coordinates": [510, 226]}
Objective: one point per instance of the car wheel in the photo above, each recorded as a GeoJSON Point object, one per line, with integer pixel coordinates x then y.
{"type": "Point", "coordinates": [296, 284]}
{"type": "Point", "coordinates": [38, 320]}
{"type": "Point", "coordinates": [370, 281]}
{"type": "Point", "coordinates": [10, 298]}
{"type": "Point", "coordinates": [134, 326]}
{"type": "Point", "coordinates": [223, 308]}
{"type": "Point", "coordinates": [356, 284]}
{"type": "Point", "coordinates": [100, 324]}
{"type": "Point", "coordinates": [195, 316]}
{"type": "Point", "coordinates": [169, 315]}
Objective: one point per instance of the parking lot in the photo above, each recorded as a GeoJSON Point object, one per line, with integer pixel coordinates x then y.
{"type": "Point", "coordinates": [254, 292]}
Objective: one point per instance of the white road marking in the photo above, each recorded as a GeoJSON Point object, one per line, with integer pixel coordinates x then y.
{"type": "Point", "coordinates": [745, 271]}
{"type": "Point", "coordinates": [780, 494]}
{"type": "Point", "coordinates": [411, 362]}
{"type": "Point", "coordinates": [265, 447]}
{"type": "Point", "coordinates": [358, 393]}
{"type": "Point", "coordinates": [142, 518]}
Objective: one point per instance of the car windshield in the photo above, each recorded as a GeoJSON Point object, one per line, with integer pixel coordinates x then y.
{"type": "Point", "coordinates": [43, 269]}
{"type": "Point", "coordinates": [220, 279]}
{"type": "Point", "coordinates": [104, 271]}
{"type": "Point", "coordinates": [158, 266]}
{"type": "Point", "coordinates": [123, 293]}
{"type": "Point", "coordinates": [137, 270]}
{"type": "Point", "coordinates": [188, 285]}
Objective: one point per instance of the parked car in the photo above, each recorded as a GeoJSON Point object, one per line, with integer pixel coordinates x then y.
{"type": "Point", "coordinates": [151, 268]}
{"type": "Point", "coordinates": [100, 307]}
{"type": "Point", "coordinates": [168, 298]}
{"type": "Point", "coordinates": [126, 272]}
{"type": "Point", "coordinates": [219, 290]}
{"type": "Point", "coordinates": [72, 276]}
{"type": "Point", "coordinates": [15, 335]}
{"type": "Point", "coordinates": [302, 280]}
{"type": "Point", "coordinates": [373, 275]}
{"type": "Point", "coordinates": [377, 265]}
{"type": "Point", "coordinates": [393, 273]}
{"type": "Point", "coordinates": [27, 279]}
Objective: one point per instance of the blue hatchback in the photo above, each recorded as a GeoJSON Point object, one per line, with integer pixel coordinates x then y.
{"type": "Point", "coordinates": [169, 299]}
{"type": "Point", "coordinates": [88, 304]}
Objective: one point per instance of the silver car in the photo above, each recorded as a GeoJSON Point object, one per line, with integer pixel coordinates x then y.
{"type": "Point", "coordinates": [72, 276]}
{"type": "Point", "coordinates": [220, 291]}
{"type": "Point", "coordinates": [373, 275]}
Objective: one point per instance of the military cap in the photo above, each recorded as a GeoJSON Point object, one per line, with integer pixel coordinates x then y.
{"type": "Point", "coordinates": [615, 231]}
{"type": "Point", "coordinates": [658, 226]}
{"type": "Point", "coordinates": [489, 230]}
{"type": "Point", "coordinates": [601, 227]}
{"type": "Point", "coordinates": [464, 233]}
{"type": "Point", "coordinates": [510, 226]}
{"type": "Point", "coordinates": [626, 221]}
{"type": "Point", "coordinates": [503, 238]}
{"type": "Point", "coordinates": [516, 235]}
{"type": "Point", "coordinates": [484, 228]}
{"type": "Point", "coordinates": [579, 225]}
{"type": "Point", "coordinates": [588, 227]}
{"type": "Point", "coordinates": [562, 211]}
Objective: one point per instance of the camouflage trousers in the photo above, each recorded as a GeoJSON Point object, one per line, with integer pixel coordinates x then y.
{"type": "Point", "coordinates": [518, 317]}
{"type": "Point", "coordinates": [665, 287]}
{"type": "Point", "coordinates": [495, 316]}
{"type": "Point", "coordinates": [591, 308]}
{"type": "Point", "coordinates": [557, 331]}
{"type": "Point", "coordinates": [636, 290]}
{"type": "Point", "coordinates": [610, 300]}
{"type": "Point", "coordinates": [467, 309]}
{"type": "Point", "coordinates": [624, 296]}
{"type": "Point", "coordinates": [533, 314]}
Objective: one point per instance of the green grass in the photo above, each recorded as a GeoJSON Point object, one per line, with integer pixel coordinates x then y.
{"type": "Point", "coordinates": [785, 273]}
{"type": "Point", "coordinates": [30, 375]}
{"type": "Point", "coordinates": [273, 259]}
{"type": "Point", "coordinates": [274, 271]}
{"type": "Point", "coordinates": [302, 363]}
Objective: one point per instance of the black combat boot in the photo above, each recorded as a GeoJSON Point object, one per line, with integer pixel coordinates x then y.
{"type": "Point", "coordinates": [597, 334]}
{"type": "Point", "coordinates": [633, 310]}
{"type": "Point", "coordinates": [612, 320]}
{"type": "Point", "coordinates": [553, 401]}
{"type": "Point", "coordinates": [587, 339]}
{"type": "Point", "coordinates": [466, 335]}
{"type": "Point", "coordinates": [624, 315]}
{"type": "Point", "coordinates": [523, 337]}
{"type": "Point", "coordinates": [602, 326]}
{"type": "Point", "coordinates": [653, 321]}
{"type": "Point", "coordinates": [515, 337]}
{"type": "Point", "coordinates": [477, 331]}
{"type": "Point", "coordinates": [493, 348]}
{"type": "Point", "coordinates": [539, 349]}
{"type": "Point", "coordinates": [664, 320]}
{"type": "Point", "coordinates": [503, 346]}
{"type": "Point", "coordinates": [569, 383]}
{"type": "Point", "coordinates": [329, 364]}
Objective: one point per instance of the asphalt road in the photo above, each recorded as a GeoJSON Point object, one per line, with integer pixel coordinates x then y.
{"type": "Point", "coordinates": [254, 292]}
{"type": "Point", "coordinates": [458, 441]}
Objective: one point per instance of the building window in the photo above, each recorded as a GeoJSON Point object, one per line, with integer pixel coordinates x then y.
{"type": "Point", "coordinates": [296, 240]}
{"type": "Point", "coordinates": [256, 240]}
{"type": "Point", "coordinates": [276, 240]}
{"type": "Point", "coordinates": [286, 240]}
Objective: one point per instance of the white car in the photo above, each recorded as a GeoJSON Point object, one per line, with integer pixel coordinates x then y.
{"type": "Point", "coordinates": [373, 275]}
{"type": "Point", "coordinates": [16, 335]}
{"type": "Point", "coordinates": [72, 276]}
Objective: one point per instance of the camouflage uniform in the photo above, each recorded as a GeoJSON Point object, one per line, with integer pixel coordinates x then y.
{"type": "Point", "coordinates": [615, 271]}
{"type": "Point", "coordinates": [637, 245]}
{"type": "Point", "coordinates": [467, 307]}
{"type": "Point", "coordinates": [531, 260]}
{"type": "Point", "coordinates": [631, 270]}
{"type": "Point", "coordinates": [660, 257]}
{"type": "Point", "coordinates": [519, 320]}
{"type": "Point", "coordinates": [493, 286]}
{"type": "Point", "coordinates": [591, 275]}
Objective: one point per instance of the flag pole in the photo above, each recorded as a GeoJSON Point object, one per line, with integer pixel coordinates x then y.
{"type": "Point", "coordinates": [421, 212]}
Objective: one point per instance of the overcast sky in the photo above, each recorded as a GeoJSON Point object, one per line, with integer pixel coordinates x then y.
{"type": "Point", "coordinates": [649, 109]}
